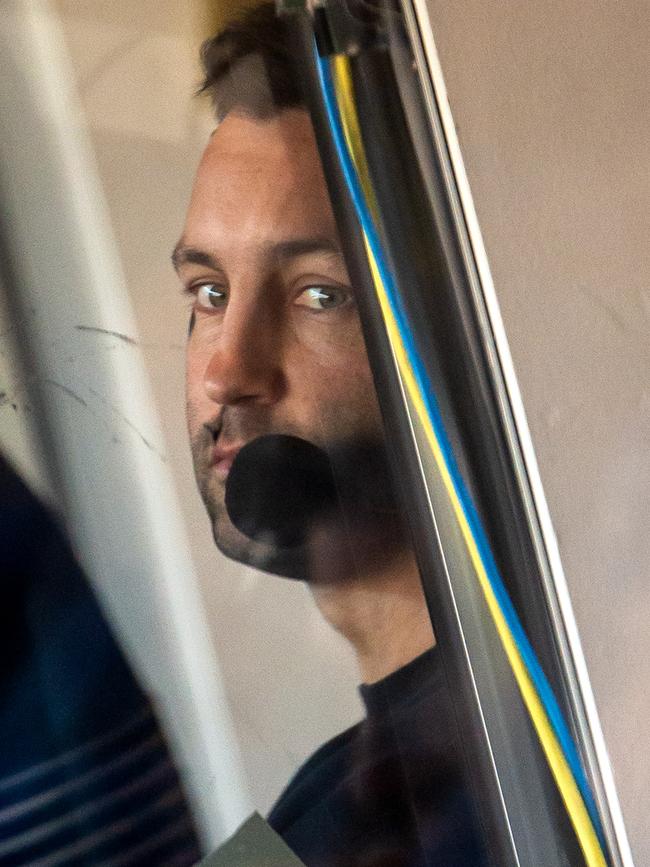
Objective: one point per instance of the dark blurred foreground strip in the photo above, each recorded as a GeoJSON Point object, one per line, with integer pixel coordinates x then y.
{"type": "Point", "coordinates": [85, 774]}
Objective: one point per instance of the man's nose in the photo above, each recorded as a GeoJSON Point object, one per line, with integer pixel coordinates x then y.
{"type": "Point", "coordinates": [245, 364]}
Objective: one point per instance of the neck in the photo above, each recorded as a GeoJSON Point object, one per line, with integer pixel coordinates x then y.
{"type": "Point", "coordinates": [382, 613]}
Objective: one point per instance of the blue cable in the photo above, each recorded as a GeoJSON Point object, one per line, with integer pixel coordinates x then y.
{"type": "Point", "coordinates": [528, 654]}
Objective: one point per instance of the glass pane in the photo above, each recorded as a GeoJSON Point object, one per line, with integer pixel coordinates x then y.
{"type": "Point", "coordinates": [264, 533]}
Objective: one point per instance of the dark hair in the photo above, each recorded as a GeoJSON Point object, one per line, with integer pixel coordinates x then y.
{"type": "Point", "coordinates": [250, 65]}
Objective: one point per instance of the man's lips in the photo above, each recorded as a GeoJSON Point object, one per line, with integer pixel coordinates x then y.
{"type": "Point", "coordinates": [223, 456]}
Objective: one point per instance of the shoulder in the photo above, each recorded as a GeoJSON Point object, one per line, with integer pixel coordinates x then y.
{"type": "Point", "coordinates": [313, 780]}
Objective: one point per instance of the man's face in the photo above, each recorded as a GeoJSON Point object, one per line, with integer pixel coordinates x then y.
{"type": "Point", "coordinates": [276, 344]}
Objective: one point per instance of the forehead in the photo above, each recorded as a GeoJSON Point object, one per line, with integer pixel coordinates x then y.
{"type": "Point", "coordinates": [259, 181]}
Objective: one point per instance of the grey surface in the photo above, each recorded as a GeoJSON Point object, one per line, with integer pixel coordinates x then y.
{"type": "Point", "coordinates": [254, 844]}
{"type": "Point", "coordinates": [550, 102]}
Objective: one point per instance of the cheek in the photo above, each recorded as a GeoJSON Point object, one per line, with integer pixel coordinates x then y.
{"type": "Point", "coordinates": [192, 373]}
{"type": "Point", "coordinates": [336, 387]}
{"type": "Point", "coordinates": [195, 395]}
{"type": "Point", "coordinates": [200, 346]}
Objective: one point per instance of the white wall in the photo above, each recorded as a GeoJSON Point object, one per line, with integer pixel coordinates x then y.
{"type": "Point", "coordinates": [551, 103]}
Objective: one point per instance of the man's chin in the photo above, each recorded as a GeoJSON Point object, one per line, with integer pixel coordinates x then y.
{"type": "Point", "coordinates": [266, 556]}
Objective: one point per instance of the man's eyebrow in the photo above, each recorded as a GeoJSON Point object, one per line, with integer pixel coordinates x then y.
{"type": "Point", "coordinates": [185, 255]}
{"type": "Point", "coordinates": [280, 250]}
{"type": "Point", "coordinates": [293, 248]}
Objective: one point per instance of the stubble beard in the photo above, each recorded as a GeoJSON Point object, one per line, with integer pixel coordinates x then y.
{"type": "Point", "coordinates": [325, 558]}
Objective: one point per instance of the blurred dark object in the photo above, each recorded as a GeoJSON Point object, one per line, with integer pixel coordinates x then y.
{"type": "Point", "coordinates": [277, 487]}
{"type": "Point", "coordinates": [280, 487]}
{"type": "Point", "coordinates": [85, 774]}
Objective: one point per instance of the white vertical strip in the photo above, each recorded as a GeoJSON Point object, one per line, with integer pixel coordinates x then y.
{"type": "Point", "coordinates": [521, 424]}
{"type": "Point", "coordinates": [120, 500]}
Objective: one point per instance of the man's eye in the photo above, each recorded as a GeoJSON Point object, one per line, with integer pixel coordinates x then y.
{"type": "Point", "coordinates": [322, 297]}
{"type": "Point", "coordinates": [210, 295]}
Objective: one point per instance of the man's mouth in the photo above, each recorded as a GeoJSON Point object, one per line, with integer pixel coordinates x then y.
{"type": "Point", "coordinates": [223, 456]}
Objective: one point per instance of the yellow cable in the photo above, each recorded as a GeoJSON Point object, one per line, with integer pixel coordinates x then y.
{"type": "Point", "coordinates": [560, 769]}
{"type": "Point", "coordinates": [351, 130]}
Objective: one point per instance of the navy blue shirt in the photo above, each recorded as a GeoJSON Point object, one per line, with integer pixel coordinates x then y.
{"type": "Point", "coordinates": [387, 792]}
